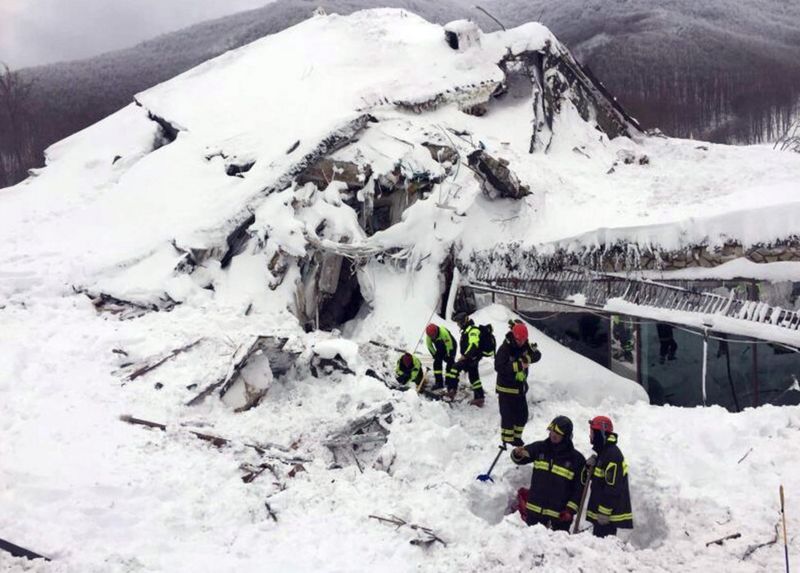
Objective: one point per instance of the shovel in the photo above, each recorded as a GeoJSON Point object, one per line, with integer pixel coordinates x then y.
{"type": "Point", "coordinates": [488, 475]}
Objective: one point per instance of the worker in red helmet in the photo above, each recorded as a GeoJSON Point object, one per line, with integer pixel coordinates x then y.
{"type": "Point", "coordinates": [442, 346]}
{"type": "Point", "coordinates": [609, 506]}
{"type": "Point", "coordinates": [511, 363]}
{"type": "Point", "coordinates": [409, 369]}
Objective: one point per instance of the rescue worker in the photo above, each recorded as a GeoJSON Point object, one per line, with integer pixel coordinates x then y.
{"type": "Point", "coordinates": [609, 506]}
{"type": "Point", "coordinates": [471, 354]}
{"type": "Point", "coordinates": [409, 369]}
{"type": "Point", "coordinates": [622, 333]}
{"type": "Point", "coordinates": [667, 345]}
{"type": "Point", "coordinates": [556, 478]}
{"type": "Point", "coordinates": [442, 346]}
{"type": "Point", "coordinates": [511, 362]}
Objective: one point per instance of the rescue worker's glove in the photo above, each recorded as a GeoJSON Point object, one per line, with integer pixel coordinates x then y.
{"type": "Point", "coordinates": [592, 461]}
{"type": "Point", "coordinates": [565, 515]}
{"type": "Point", "coordinates": [519, 453]}
{"type": "Point", "coordinates": [603, 519]}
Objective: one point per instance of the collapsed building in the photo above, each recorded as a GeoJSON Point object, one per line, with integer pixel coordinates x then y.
{"type": "Point", "coordinates": [441, 152]}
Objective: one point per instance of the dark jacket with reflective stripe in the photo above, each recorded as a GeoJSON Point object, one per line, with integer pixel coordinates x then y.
{"type": "Point", "coordinates": [512, 376]}
{"type": "Point", "coordinates": [556, 477]}
{"type": "Point", "coordinates": [610, 493]}
{"type": "Point", "coordinates": [443, 346]}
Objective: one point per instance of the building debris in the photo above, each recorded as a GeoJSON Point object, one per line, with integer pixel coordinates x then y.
{"type": "Point", "coordinates": [360, 436]}
{"type": "Point", "coordinates": [425, 535]}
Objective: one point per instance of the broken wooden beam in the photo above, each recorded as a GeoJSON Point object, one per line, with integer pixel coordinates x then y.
{"type": "Point", "coordinates": [18, 551]}
{"type": "Point", "coordinates": [722, 540]}
{"type": "Point", "coordinates": [141, 371]}
{"type": "Point", "coordinates": [220, 441]}
{"type": "Point", "coordinates": [254, 471]}
{"type": "Point", "coordinates": [429, 536]}
{"type": "Point", "coordinates": [356, 440]}
{"type": "Point", "coordinates": [753, 548]}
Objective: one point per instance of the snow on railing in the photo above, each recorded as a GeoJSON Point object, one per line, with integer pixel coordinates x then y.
{"type": "Point", "coordinates": [597, 289]}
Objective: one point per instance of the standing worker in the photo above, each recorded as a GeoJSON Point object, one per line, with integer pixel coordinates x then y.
{"type": "Point", "coordinates": [471, 354]}
{"type": "Point", "coordinates": [556, 478]}
{"type": "Point", "coordinates": [511, 363]}
{"type": "Point", "coordinates": [609, 505]}
{"type": "Point", "coordinates": [442, 346]}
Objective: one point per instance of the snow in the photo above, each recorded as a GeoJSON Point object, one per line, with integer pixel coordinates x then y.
{"type": "Point", "coordinates": [347, 349]}
{"type": "Point", "coordinates": [96, 494]}
{"type": "Point", "coordinates": [735, 269]}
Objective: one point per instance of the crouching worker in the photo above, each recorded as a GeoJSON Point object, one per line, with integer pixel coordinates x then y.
{"type": "Point", "coordinates": [409, 369]}
{"type": "Point", "coordinates": [609, 505]}
{"type": "Point", "coordinates": [556, 478]}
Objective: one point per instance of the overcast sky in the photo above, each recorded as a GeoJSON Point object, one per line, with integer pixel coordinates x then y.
{"type": "Point", "coordinates": [43, 31]}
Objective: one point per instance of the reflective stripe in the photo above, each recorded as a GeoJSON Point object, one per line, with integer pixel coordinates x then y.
{"type": "Point", "coordinates": [520, 376]}
{"type": "Point", "coordinates": [473, 338]}
{"type": "Point", "coordinates": [508, 439]}
{"type": "Point", "coordinates": [543, 511]}
{"type": "Point", "coordinates": [533, 508]}
{"type": "Point", "coordinates": [605, 510]}
{"type": "Point", "coordinates": [541, 465]}
{"type": "Point", "coordinates": [452, 374]}
{"type": "Point", "coordinates": [437, 371]}
{"type": "Point", "coordinates": [507, 390]}
{"type": "Point", "coordinates": [611, 473]}
{"type": "Point", "coordinates": [624, 468]}
{"type": "Point", "coordinates": [519, 428]}
{"type": "Point", "coordinates": [599, 473]}
{"type": "Point", "coordinates": [506, 432]}
{"type": "Point", "coordinates": [563, 472]}
{"type": "Point", "coordinates": [572, 505]}
{"type": "Point", "coordinates": [476, 385]}
{"type": "Point", "coordinates": [515, 366]}
{"type": "Point", "coordinates": [613, 518]}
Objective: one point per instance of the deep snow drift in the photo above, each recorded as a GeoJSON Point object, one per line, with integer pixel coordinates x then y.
{"type": "Point", "coordinates": [130, 209]}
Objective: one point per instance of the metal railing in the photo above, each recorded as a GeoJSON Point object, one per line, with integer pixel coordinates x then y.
{"type": "Point", "coordinates": [594, 290]}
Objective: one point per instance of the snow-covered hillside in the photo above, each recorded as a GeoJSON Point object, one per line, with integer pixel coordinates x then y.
{"type": "Point", "coordinates": [205, 216]}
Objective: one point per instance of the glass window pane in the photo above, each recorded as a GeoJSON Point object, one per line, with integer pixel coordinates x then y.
{"type": "Point", "coordinates": [582, 332]}
{"type": "Point", "coordinates": [729, 378]}
{"type": "Point", "coordinates": [623, 346]}
{"type": "Point", "coordinates": [671, 364]}
{"type": "Point", "coordinates": [778, 373]}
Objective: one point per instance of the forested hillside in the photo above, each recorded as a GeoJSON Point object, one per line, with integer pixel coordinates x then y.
{"type": "Point", "coordinates": [711, 70]}
{"type": "Point", "coordinates": [717, 70]}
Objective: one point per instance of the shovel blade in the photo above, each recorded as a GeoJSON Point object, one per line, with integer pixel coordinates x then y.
{"type": "Point", "coordinates": [485, 478]}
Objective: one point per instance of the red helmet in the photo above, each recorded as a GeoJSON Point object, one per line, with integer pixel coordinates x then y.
{"type": "Point", "coordinates": [407, 359]}
{"type": "Point", "coordinates": [520, 332]}
{"type": "Point", "coordinates": [431, 330]}
{"type": "Point", "coordinates": [602, 423]}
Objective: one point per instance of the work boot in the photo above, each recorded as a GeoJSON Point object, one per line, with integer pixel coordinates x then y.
{"type": "Point", "coordinates": [477, 402]}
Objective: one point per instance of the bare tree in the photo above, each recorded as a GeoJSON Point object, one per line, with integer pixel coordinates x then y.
{"type": "Point", "coordinates": [16, 126]}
